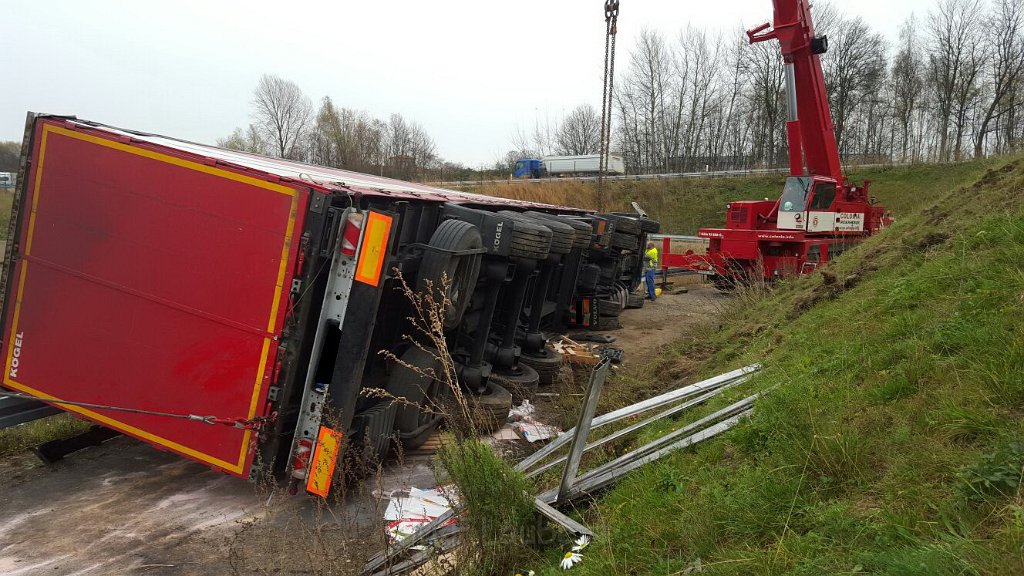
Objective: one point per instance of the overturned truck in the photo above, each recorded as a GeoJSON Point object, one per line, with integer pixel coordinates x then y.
{"type": "Point", "coordinates": [218, 304]}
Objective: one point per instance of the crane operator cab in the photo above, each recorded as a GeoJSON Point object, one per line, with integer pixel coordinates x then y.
{"type": "Point", "coordinates": [806, 204]}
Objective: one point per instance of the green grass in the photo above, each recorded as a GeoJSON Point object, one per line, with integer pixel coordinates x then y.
{"type": "Point", "coordinates": [6, 200]}
{"type": "Point", "coordinates": [890, 442]}
{"type": "Point", "coordinates": [40, 431]}
{"type": "Point", "coordinates": [686, 204]}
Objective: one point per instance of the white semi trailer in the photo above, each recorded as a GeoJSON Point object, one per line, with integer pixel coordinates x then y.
{"type": "Point", "coordinates": [582, 165]}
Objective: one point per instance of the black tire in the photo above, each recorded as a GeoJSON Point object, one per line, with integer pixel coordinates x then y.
{"type": "Point", "coordinates": [416, 395]}
{"type": "Point", "coordinates": [529, 239]}
{"type": "Point", "coordinates": [581, 231]}
{"type": "Point", "coordinates": [563, 236]}
{"type": "Point", "coordinates": [625, 224]}
{"type": "Point", "coordinates": [607, 323]}
{"type": "Point", "coordinates": [647, 225]}
{"type": "Point", "coordinates": [650, 226]}
{"type": "Point", "coordinates": [547, 365]}
{"type": "Point", "coordinates": [461, 270]}
{"type": "Point", "coordinates": [634, 301]}
{"type": "Point", "coordinates": [625, 241]}
{"type": "Point", "coordinates": [521, 385]}
{"type": "Point", "coordinates": [600, 231]}
{"type": "Point", "coordinates": [609, 307]}
{"type": "Point", "coordinates": [489, 410]}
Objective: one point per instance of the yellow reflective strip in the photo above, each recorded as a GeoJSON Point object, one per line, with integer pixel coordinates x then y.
{"type": "Point", "coordinates": [325, 456]}
{"type": "Point", "coordinates": [375, 242]}
{"type": "Point", "coordinates": [116, 424]}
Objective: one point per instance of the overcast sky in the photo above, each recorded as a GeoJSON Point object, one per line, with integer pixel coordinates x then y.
{"type": "Point", "coordinates": [469, 71]}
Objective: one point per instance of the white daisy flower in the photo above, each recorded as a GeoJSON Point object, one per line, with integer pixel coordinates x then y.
{"type": "Point", "coordinates": [581, 543]}
{"type": "Point", "coordinates": [571, 559]}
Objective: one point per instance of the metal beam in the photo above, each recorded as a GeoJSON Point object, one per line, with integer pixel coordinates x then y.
{"type": "Point", "coordinates": [559, 518]}
{"type": "Point", "coordinates": [642, 424]}
{"type": "Point", "coordinates": [579, 441]}
{"type": "Point", "coordinates": [638, 408]}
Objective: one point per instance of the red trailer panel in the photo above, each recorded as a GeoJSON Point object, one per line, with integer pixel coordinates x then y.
{"type": "Point", "coordinates": [172, 270]}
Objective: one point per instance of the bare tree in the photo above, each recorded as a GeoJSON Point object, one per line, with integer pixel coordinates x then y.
{"type": "Point", "coordinates": [907, 87]}
{"type": "Point", "coordinates": [282, 114]}
{"type": "Point", "coordinates": [248, 140]}
{"type": "Point", "coordinates": [1004, 40]}
{"type": "Point", "coordinates": [580, 132]}
{"type": "Point", "coordinates": [10, 152]}
{"type": "Point", "coordinates": [955, 59]}
{"type": "Point", "coordinates": [854, 71]}
{"type": "Point", "coordinates": [642, 103]}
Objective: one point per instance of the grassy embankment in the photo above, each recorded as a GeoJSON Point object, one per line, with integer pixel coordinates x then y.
{"type": "Point", "coordinates": [684, 205]}
{"type": "Point", "coordinates": [890, 441]}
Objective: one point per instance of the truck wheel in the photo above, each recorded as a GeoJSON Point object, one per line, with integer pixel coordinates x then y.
{"type": "Point", "coordinates": [647, 225]}
{"type": "Point", "coordinates": [564, 232]}
{"type": "Point", "coordinates": [521, 386]}
{"type": "Point", "coordinates": [625, 241]}
{"type": "Point", "coordinates": [460, 269]}
{"type": "Point", "coordinates": [608, 323]}
{"type": "Point", "coordinates": [624, 224]}
{"type": "Point", "coordinates": [489, 410]}
{"type": "Point", "coordinates": [583, 230]}
{"type": "Point", "coordinates": [650, 226]}
{"type": "Point", "coordinates": [609, 307]}
{"type": "Point", "coordinates": [416, 396]}
{"type": "Point", "coordinates": [634, 301]}
{"type": "Point", "coordinates": [529, 238]}
{"type": "Point", "coordinates": [547, 365]}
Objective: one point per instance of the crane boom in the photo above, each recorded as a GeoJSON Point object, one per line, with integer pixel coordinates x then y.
{"type": "Point", "coordinates": [809, 127]}
{"type": "Point", "coordinates": [821, 213]}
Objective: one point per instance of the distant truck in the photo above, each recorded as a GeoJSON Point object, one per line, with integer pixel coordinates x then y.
{"type": "Point", "coordinates": [7, 179]}
{"type": "Point", "coordinates": [562, 166]}
{"type": "Point", "coordinates": [232, 308]}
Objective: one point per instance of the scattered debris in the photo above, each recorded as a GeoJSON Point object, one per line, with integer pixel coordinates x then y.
{"type": "Point", "coordinates": [592, 337]}
{"type": "Point", "coordinates": [524, 424]}
{"type": "Point", "coordinates": [575, 353]}
{"type": "Point", "coordinates": [410, 509]}
{"type": "Point", "coordinates": [532, 431]}
{"type": "Point", "coordinates": [422, 505]}
{"type": "Point", "coordinates": [614, 355]}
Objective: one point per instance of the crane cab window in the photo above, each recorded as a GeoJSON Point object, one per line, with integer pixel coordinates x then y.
{"type": "Point", "coordinates": [794, 195]}
{"type": "Point", "coordinates": [824, 194]}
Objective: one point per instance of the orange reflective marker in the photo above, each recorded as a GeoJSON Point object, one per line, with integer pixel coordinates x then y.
{"type": "Point", "coordinates": [372, 252]}
{"type": "Point", "coordinates": [325, 456]}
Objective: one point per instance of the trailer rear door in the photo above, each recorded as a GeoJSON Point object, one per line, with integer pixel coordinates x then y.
{"type": "Point", "coordinates": [150, 279]}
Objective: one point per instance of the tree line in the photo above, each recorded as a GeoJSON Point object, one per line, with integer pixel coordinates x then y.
{"type": "Point", "coordinates": [949, 88]}
{"type": "Point", "coordinates": [286, 124]}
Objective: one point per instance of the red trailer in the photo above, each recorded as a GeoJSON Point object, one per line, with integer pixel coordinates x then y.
{"type": "Point", "coordinates": [216, 303]}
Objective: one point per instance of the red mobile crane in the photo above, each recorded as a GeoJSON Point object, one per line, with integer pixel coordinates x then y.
{"type": "Point", "coordinates": [820, 213]}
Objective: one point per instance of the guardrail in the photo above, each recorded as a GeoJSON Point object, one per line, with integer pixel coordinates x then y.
{"type": "Point", "coordinates": [669, 176]}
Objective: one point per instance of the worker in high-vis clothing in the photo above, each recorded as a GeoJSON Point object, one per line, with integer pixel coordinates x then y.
{"type": "Point", "coordinates": [650, 266]}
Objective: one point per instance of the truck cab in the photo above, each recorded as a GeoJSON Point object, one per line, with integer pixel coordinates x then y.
{"type": "Point", "coordinates": [808, 204]}
{"type": "Point", "coordinates": [529, 168]}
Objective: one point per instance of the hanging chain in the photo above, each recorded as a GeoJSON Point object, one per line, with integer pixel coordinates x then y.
{"type": "Point", "coordinates": [611, 14]}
